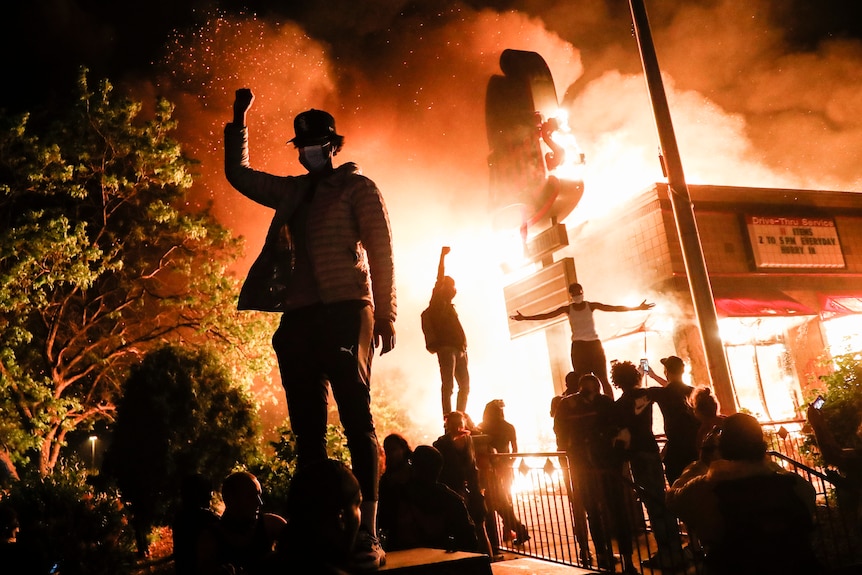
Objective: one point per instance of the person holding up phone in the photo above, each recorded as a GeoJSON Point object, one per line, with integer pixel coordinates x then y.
{"type": "Point", "coordinates": [680, 422]}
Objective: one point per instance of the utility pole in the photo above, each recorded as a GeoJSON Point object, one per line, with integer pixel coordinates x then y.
{"type": "Point", "coordinates": [683, 211]}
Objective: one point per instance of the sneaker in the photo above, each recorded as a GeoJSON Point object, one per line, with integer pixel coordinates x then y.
{"type": "Point", "coordinates": [368, 554]}
{"type": "Point", "coordinates": [521, 540]}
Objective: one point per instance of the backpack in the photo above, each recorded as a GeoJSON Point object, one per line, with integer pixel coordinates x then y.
{"type": "Point", "coordinates": [428, 330]}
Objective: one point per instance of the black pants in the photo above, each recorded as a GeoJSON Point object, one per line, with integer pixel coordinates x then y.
{"type": "Point", "coordinates": [589, 357]}
{"type": "Point", "coordinates": [330, 345]}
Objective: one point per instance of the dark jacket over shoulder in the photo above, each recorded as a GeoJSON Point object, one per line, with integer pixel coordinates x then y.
{"type": "Point", "coordinates": [349, 238]}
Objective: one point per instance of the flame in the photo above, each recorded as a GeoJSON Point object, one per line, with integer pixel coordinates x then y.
{"type": "Point", "coordinates": [572, 167]}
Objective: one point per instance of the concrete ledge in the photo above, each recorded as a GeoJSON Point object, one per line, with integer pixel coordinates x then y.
{"type": "Point", "coordinates": [424, 561]}
{"type": "Point", "coordinates": [530, 566]}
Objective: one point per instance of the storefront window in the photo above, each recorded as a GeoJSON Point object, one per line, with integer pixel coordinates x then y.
{"type": "Point", "coordinates": [843, 334]}
{"type": "Point", "coordinates": [764, 380]}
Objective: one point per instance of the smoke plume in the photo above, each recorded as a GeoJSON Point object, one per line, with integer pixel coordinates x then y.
{"type": "Point", "coordinates": [406, 84]}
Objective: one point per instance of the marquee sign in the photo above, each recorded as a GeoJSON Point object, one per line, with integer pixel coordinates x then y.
{"type": "Point", "coordinates": [784, 242]}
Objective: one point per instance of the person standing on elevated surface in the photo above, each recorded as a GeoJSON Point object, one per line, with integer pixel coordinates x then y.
{"type": "Point", "coordinates": [588, 354]}
{"type": "Point", "coordinates": [327, 267]}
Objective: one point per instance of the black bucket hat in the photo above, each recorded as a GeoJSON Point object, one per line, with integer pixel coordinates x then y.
{"type": "Point", "coordinates": [313, 127]}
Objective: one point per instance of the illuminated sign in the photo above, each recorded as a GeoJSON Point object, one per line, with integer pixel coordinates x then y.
{"type": "Point", "coordinates": [783, 242]}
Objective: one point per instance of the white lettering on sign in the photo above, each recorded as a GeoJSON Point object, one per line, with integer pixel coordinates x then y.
{"type": "Point", "coordinates": [790, 242]}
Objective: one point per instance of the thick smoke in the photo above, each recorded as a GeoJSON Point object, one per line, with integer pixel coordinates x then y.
{"type": "Point", "coordinates": [406, 84]}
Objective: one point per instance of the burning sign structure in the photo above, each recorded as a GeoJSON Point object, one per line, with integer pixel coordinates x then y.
{"type": "Point", "coordinates": [530, 187]}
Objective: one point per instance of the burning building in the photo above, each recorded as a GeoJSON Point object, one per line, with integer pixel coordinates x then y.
{"type": "Point", "coordinates": [786, 273]}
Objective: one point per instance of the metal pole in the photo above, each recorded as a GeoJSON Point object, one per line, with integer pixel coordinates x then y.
{"type": "Point", "coordinates": [683, 211]}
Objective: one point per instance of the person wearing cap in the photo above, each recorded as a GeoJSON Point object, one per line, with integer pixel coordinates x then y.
{"type": "Point", "coordinates": [327, 267]}
{"type": "Point", "coordinates": [588, 354]}
{"type": "Point", "coordinates": [680, 422]}
{"type": "Point", "coordinates": [751, 515]}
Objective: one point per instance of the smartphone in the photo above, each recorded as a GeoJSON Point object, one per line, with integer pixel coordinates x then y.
{"type": "Point", "coordinates": [644, 365]}
{"type": "Point", "coordinates": [818, 403]}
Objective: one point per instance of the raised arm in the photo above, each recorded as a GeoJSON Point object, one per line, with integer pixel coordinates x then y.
{"type": "Point", "coordinates": [243, 99]}
{"type": "Point", "coordinates": [605, 307]}
{"type": "Point", "coordinates": [441, 267]}
{"type": "Point", "coordinates": [656, 377]}
{"type": "Point", "coordinates": [547, 315]}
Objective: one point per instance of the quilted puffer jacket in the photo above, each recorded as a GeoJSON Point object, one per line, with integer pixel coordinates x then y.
{"type": "Point", "coordinates": [349, 237]}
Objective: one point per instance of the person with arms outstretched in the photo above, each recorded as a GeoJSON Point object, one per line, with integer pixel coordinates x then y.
{"type": "Point", "coordinates": [445, 337]}
{"type": "Point", "coordinates": [327, 267]}
{"type": "Point", "coordinates": [588, 354]}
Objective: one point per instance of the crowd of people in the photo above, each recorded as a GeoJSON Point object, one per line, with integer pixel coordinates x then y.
{"type": "Point", "coordinates": [741, 512]}
{"type": "Point", "coordinates": [327, 267]}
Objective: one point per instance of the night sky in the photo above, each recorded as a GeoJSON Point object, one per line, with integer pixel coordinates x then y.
{"type": "Point", "coordinates": [762, 93]}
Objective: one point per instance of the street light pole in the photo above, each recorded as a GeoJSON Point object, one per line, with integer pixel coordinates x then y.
{"type": "Point", "coordinates": [683, 211]}
{"type": "Point", "coordinates": [93, 439]}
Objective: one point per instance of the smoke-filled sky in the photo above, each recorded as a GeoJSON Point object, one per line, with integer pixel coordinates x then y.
{"type": "Point", "coordinates": [763, 93]}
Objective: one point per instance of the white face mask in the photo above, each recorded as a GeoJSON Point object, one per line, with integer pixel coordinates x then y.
{"type": "Point", "coordinates": [314, 158]}
{"type": "Point", "coordinates": [578, 298]}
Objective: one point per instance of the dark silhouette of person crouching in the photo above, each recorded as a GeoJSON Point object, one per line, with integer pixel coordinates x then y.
{"type": "Point", "coordinates": [195, 515]}
{"type": "Point", "coordinates": [752, 516]}
{"type": "Point", "coordinates": [461, 472]}
{"type": "Point", "coordinates": [243, 540]}
{"type": "Point", "coordinates": [323, 517]}
{"type": "Point", "coordinates": [431, 514]}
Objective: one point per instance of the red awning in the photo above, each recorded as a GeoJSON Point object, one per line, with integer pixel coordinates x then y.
{"type": "Point", "coordinates": [759, 304]}
{"type": "Point", "coordinates": [841, 304]}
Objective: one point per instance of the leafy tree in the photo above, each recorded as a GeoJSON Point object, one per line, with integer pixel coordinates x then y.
{"type": "Point", "coordinates": [842, 390]}
{"type": "Point", "coordinates": [101, 261]}
{"type": "Point", "coordinates": [179, 414]}
{"type": "Point", "coordinates": [64, 521]}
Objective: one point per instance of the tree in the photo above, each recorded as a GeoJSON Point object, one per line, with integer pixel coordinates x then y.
{"type": "Point", "coordinates": [180, 414]}
{"type": "Point", "coordinates": [68, 527]}
{"type": "Point", "coordinates": [101, 262]}
{"type": "Point", "coordinates": [842, 392]}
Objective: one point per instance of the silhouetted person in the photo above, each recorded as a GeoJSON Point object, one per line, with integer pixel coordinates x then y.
{"type": "Point", "coordinates": [243, 540]}
{"type": "Point", "coordinates": [680, 422]}
{"type": "Point", "coordinates": [397, 470]}
{"type": "Point", "coordinates": [327, 266]}
{"type": "Point", "coordinates": [195, 515]}
{"type": "Point", "coordinates": [588, 354]}
{"type": "Point", "coordinates": [323, 517]}
{"type": "Point", "coordinates": [432, 514]}
{"type": "Point", "coordinates": [13, 555]}
{"type": "Point", "coordinates": [634, 417]}
{"type": "Point", "coordinates": [502, 438]}
{"type": "Point", "coordinates": [572, 381]}
{"type": "Point", "coordinates": [461, 474]}
{"type": "Point", "coordinates": [751, 515]}
{"type": "Point", "coordinates": [706, 410]}
{"type": "Point", "coordinates": [562, 423]}
{"type": "Point", "coordinates": [445, 337]}
{"type": "Point", "coordinates": [586, 429]}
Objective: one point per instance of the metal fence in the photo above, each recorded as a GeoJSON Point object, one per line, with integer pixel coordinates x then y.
{"type": "Point", "coordinates": [542, 498]}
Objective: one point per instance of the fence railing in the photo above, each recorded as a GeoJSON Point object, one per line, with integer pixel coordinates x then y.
{"type": "Point", "coordinates": [544, 500]}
